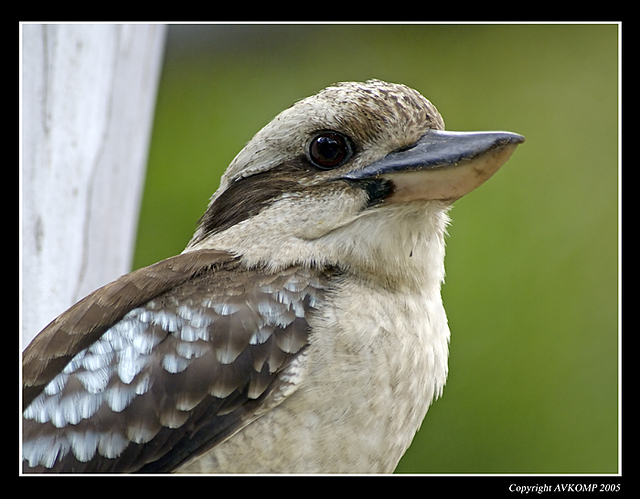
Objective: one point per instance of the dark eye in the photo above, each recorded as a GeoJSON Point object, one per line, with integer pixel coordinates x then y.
{"type": "Point", "coordinates": [330, 150]}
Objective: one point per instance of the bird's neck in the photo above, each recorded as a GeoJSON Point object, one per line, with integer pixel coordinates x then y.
{"type": "Point", "coordinates": [399, 247]}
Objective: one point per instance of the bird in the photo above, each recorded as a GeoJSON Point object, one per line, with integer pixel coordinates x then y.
{"type": "Point", "coordinates": [302, 329]}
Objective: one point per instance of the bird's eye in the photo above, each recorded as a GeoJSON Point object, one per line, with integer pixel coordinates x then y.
{"type": "Point", "coordinates": [330, 150]}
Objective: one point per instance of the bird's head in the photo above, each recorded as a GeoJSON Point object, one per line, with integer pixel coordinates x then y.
{"type": "Point", "coordinates": [360, 174]}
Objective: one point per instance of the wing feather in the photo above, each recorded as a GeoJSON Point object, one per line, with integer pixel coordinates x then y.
{"type": "Point", "coordinates": [148, 382]}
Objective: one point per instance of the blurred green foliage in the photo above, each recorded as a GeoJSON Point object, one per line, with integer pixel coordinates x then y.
{"type": "Point", "coordinates": [532, 259]}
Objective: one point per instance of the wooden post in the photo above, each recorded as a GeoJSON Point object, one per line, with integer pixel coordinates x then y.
{"type": "Point", "coordinates": [88, 100]}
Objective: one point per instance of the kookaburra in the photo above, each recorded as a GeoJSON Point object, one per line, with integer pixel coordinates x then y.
{"type": "Point", "coordinates": [301, 330]}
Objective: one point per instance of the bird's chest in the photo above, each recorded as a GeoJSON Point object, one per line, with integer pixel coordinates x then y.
{"type": "Point", "coordinates": [381, 358]}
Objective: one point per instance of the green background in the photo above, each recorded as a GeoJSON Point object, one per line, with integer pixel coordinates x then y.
{"type": "Point", "coordinates": [532, 257]}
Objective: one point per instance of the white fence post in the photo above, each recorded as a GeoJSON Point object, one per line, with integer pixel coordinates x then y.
{"type": "Point", "coordinates": [88, 100]}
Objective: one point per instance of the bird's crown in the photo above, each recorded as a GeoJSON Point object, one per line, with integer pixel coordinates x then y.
{"type": "Point", "coordinates": [378, 117]}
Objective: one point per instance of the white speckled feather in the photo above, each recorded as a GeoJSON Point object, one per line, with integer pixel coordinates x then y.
{"type": "Point", "coordinates": [126, 364]}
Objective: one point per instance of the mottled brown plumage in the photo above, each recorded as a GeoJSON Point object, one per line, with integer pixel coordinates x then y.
{"type": "Point", "coordinates": [83, 323]}
{"type": "Point", "coordinates": [226, 356]}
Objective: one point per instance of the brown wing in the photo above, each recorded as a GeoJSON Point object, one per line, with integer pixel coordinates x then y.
{"type": "Point", "coordinates": [162, 364]}
{"type": "Point", "coordinates": [83, 323]}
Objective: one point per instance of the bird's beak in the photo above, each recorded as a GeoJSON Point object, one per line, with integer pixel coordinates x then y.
{"type": "Point", "coordinates": [442, 165]}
